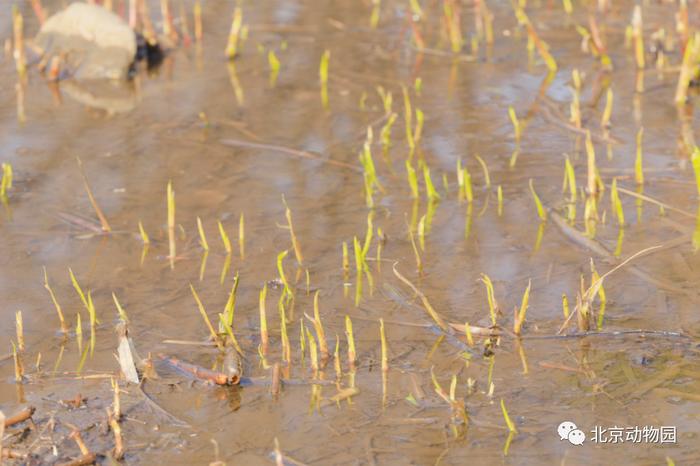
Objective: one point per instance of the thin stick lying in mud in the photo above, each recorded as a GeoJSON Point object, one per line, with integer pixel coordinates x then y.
{"type": "Point", "coordinates": [216, 377]}
{"type": "Point", "coordinates": [21, 416]}
{"type": "Point", "coordinates": [436, 317]}
{"type": "Point", "coordinates": [289, 151]}
{"type": "Point", "coordinates": [84, 460]}
{"type": "Point", "coordinates": [11, 454]}
{"type": "Point", "coordinates": [98, 211]}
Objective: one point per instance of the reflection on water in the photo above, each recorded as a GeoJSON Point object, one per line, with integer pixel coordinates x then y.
{"type": "Point", "coordinates": [438, 188]}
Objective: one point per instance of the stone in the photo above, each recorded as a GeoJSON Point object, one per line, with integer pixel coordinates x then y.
{"type": "Point", "coordinates": [92, 42]}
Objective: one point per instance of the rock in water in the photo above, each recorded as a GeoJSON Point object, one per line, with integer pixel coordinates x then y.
{"type": "Point", "coordinates": [92, 42]}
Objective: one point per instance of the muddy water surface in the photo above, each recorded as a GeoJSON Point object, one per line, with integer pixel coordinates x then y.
{"type": "Point", "coordinates": [234, 140]}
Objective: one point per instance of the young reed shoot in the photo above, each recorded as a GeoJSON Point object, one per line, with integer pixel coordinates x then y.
{"type": "Point", "coordinates": [416, 253]}
{"type": "Point", "coordinates": [19, 367]}
{"type": "Point", "coordinates": [431, 192]}
{"type": "Point", "coordinates": [485, 169]}
{"type": "Point", "coordinates": [385, 355]}
{"type": "Point", "coordinates": [78, 289]}
{"type": "Point", "coordinates": [617, 203]}
{"type": "Point", "coordinates": [638, 36]}
{"type": "Point", "coordinates": [570, 179]}
{"type": "Point", "coordinates": [688, 68]}
{"type": "Point", "coordinates": [234, 34]}
{"type": "Point", "coordinates": [144, 236]}
{"type": "Point", "coordinates": [230, 307]}
{"type": "Point", "coordinates": [412, 179]}
{"type": "Point", "coordinates": [214, 336]}
{"type": "Point", "coordinates": [19, 330]}
{"type": "Point", "coordinates": [352, 354]}
{"type": "Point", "coordinates": [336, 358]}
{"type": "Point", "coordinates": [468, 191]}
{"type": "Point", "coordinates": [323, 75]}
{"type": "Point", "coordinates": [374, 17]}
{"type": "Point", "coordinates": [534, 39]}
{"type": "Point", "coordinates": [506, 417]}
{"type": "Point", "coordinates": [499, 195]}
{"type": "Point", "coordinates": [59, 311]}
{"type": "Point", "coordinates": [452, 21]}
{"type": "Point", "coordinates": [224, 238]}
{"type": "Point", "coordinates": [638, 161]}
{"type": "Point", "coordinates": [346, 260]}
{"type": "Point", "coordinates": [264, 337]}
{"type": "Point", "coordinates": [302, 340]}
{"type": "Point", "coordinates": [202, 236]}
{"type": "Point", "coordinates": [120, 310]}
{"type": "Point", "coordinates": [313, 352]}
{"type": "Point", "coordinates": [418, 132]}
{"type": "Point", "coordinates": [6, 183]}
{"type": "Point", "coordinates": [565, 305]}
{"type": "Point", "coordinates": [519, 317]}
{"type": "Point", "coordinates": [607, 112]}
{"type": "Point", "coordinates": [695, 160]}
{"type": "Point", "coordinates": [18, 35]}
{"type": "Point", "coordinates": [591, 185]}
{"type": "Point", "coordinates": [295, 241]}
{"type": "Point", "coordinates": [491, 297]}
{"type": "Point", "coordinates": [241, 236]}
{"type": "Point", "coordinates": [408, 119]}
{"type": "Point", "coordinates": [421, 233]}
{"type": "Point", "coordinates": [318, 326]}
{"type": "Point", "coordinates": [385, 134]}
{"type": "Point", "coordinates": [93, 321]}
{"type": "Point", "coordinates": [568, 8]}
{"type": "Point", "coordinates": [468, 334]}
{"type": "Point", "coordinates": [79, 331]}
{"type": "Point", "coordinates": [541, 212]}
{"type": "Point", "coordinates": [274, 64]}
{"type": "Point", "coordinates": [387, 99]}
{"type": "Point", "coordinates": [286, 347]}
{"type": "Point", "coordinates": [517, 129]}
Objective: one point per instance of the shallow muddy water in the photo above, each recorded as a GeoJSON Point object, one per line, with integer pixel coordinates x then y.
{"type": "Point", "coordinates": [235, 140]}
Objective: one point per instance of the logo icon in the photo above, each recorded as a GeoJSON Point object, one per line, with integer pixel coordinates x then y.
{"type": "Point", "coordinates": [567, 430]}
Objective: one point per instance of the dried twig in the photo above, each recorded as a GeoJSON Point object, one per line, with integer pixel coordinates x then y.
{"type": "Point", "coordinates": [286, 150]}
{"type": "Point", "coordinates": [21, 416]}
{"type": "Point", "coordinates": [218, 378]}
